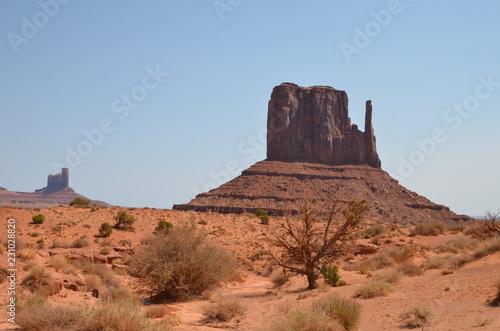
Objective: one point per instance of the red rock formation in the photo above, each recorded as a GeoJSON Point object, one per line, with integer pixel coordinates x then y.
{"type": "Point", "coordinates": [312, 124]}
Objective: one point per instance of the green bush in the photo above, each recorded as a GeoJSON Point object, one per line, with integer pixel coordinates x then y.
{"type": "Point", "coordinates": [79, 202]}
{"type": "Point", "coordinates": [262, 214]}
{"type": "Point", "coordinates": [181, 263]}
{"type": "Point", "coordinates": [163, 227]}
{"type": "Point", "coordinates": [38, 219]}
{"type": "Point", "coordinates": [105, 229]}
{"type": "Point", "coordinates": [331, 274]}
{"type": "Point", "coordinates": [124, 221]}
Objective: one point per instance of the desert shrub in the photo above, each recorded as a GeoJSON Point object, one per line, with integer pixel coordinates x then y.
{"type": "Point", "coordinates": [416, 317]}
{"type": "Point", "coordinates": [80, 242]}
{"type": "Point", "coordinates": [375, 262]}
{"type": "Point", "coordinates": [402, 254]}
{"type": "Point", "coordinates": [435, 262]}
{"type": "Point", "coordinates": [488, 228]}
{"type": "Point", "coordinates": [374, 289]}
{"type": "Point", "coordinates": [331, 274]}
{"type": "Point", "coordinates": [310, 320]}
{"type": "Point", "coordinates": [346, 312]}
{"type": "Point", "coordinates": [410, 269]}
{"type": "Point", "coordinates": [391, 276]}
{"type": "Point", "coordinates": [105, 230]}
{"type": "Point", "coordinates": [262, 214]}
{"type": "Point", "coordinates": [427, 229]}
{"type": "Point", "coordinates": [163, 227]}
{"type": "Point", "coordinates": [488, 247]}
{"type": "Point", "coordinates": [223, 309]}
{"type": "Point", "coordinates": [279, 277]}
{"type": "Point", "coordinates": [39, 282]}
{"type": "Point", "coordinates": [58, 262]}
{"type": "Point", "coordinates": [79, 202]}
{"type": "Point", "coordinates": [124, 221]}
{"type": "Point", "coordinates": [456, 245]}
{"type": "Point", "coordinates": [92, 282]}
{"type": "Point", "coordinates": [181, 263]}
{"type": "Point", "coordinates": [107, 275]}
{"type": "Point", "coordinates": [121, 316]}
{"type": "Point", "coordinates": [117, 294]}
{"type": "Point", "coordinates": [106, 250]}
{"type": "Point", "coordinates": [372, 231]}
{"type": "Point", "coordinates": [125, 242]}
{"type": "Point", "coordinates": [38, 219]}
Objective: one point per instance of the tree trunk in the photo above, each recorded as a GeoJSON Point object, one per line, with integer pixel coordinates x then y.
{"type": "Point", "coordinates": [311, 277]}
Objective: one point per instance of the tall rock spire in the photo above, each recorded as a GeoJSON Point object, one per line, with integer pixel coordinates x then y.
{"type": "Point", "coordinates": [312, 124]}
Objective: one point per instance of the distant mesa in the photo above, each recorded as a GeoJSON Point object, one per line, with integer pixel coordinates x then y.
{"type": "Point", "coordinates": [57, 192]}
{"type": "Point", "coordinates": [313, 147]}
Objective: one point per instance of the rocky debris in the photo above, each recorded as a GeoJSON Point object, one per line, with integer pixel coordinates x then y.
{"type": "Point", "coordinates": [101, 291]}
{"type": "Point", "coordinates": [312, 124]}
{"type": "Point", "coordinates": [366, 248]}
{"type": "Point", "coordinates": [124, 249]}
{"type": "Point", "coordinates": [86, 255]}
{"type": "Point", "coordinates": [71, 282]}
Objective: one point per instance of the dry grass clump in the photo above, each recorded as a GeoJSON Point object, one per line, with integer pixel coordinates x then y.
{"type": "Point", "coordinates": [391, 276]}
{"type": "Point", "coordinates": [39, 282]}
{"type": "Point", "coordinates": [456, 245]}
{"type": "Point", "coordinates": [223, 309]}
{"type": "Point", "coordinates": [116, 316]}
{"type": "Point", "coordinates": [61, 263]}
{"type": "Point", "coordinates": [92, 282]}
{"type": "Point", "coordinates": [374, 289]}
{"type": "Point", "coordinates": [418, 317]}
{"type": "Point", "coordinates": [106, 250]}
{"type": "Point", "coordinates": [80, 243]}
{"type": "Point", "coordinates": [279, 277]}
{"type": "Point", "coordinates": [372, 231]}
{"type": "Point", "coordinates": [155, 311]}
{"type": "Point", "coordinates": [330, 313]}
{"type": "Point", "coordinates": [310, 320]}
{"type": "Point", "coordinates": [346, 312]}
{"type": "Point", "coordinates": [410, 269]}
{"type": "Point", "coordinates": [381, 260]}
{"type": "Point", "coordinates": [180, 263]}
{"type": "Point", "coordinates": [427, 229]}
{"type": "Point", "coordinates": [107, 275]}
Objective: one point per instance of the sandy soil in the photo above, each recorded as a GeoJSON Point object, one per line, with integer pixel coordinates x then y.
{"type": "Point", "coordinates": [457, 300]}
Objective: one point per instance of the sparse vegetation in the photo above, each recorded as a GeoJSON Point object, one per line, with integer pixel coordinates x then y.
{"type": "Point", "coordinates": [38, 219]}
{"type": "Point", "coordinates": [487, 229]}
{"type": "Point", "coordinates": [391, 276]}
{"type": "Point", "coordinates": [418, 317]}
{"type": "Point", "coordinates": [262, 214]}
{"type": "Point", "coordinates": [279, 277]}
{"type": "Point", "coordinates": [427, 229]}
{"type": "Point", "coordinates": [305, 244]}
{"type": "Point", "coordinates": [80, 203]}
{"type": "Point", "coordinates": [81, 242]}
{"type": "Point", "coordinates": [330, 313]}
{"type": "Point", "coordinates": [105, 230]}
{"type": "Point", "coordinates": [117, 316]}
{"type": "Point", "coordinates": [331, 274]}
{"type": "Point", "coordinates": [181, 263]}
{"type": "Point", "coordinates": [39, 282]}
{"type": "Point", "coordinates": [373, 290]}
{"type": "Point", "coordinates": [163, 227]}
{"type": "Point", "coordinates": [223, 309]}
{"type": "Point", "coordinates": [124, 221]}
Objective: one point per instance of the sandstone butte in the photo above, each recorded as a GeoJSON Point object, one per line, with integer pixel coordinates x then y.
{"type": "Point", "coordinates": [314, 149]}
{"type": "Point", "coordinates": [57, 192]}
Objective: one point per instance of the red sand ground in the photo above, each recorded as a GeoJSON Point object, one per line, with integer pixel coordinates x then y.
{"type": "Point", "coordinates": [457, 300]}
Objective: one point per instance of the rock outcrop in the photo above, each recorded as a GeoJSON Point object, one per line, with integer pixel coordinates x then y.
{"type": "Point", "coordinates": [312, 124]}
{"type": "Point", "coordinates": [57, 182]}
{"type": "Point", "coordinates": [314, 149]}
{"type": "Point", "coordinates": [57, 192]}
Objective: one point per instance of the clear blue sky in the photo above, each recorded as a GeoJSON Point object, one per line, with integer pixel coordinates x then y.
{"type": "Point", "coordinates": [179, 90]}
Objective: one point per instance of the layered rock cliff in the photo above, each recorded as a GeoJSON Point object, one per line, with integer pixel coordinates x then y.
{"type": "Point", "coordinates": [312, 124]}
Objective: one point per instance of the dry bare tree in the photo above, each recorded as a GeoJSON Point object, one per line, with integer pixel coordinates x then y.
{"type": "Point", "coordinates": [316, 237]}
